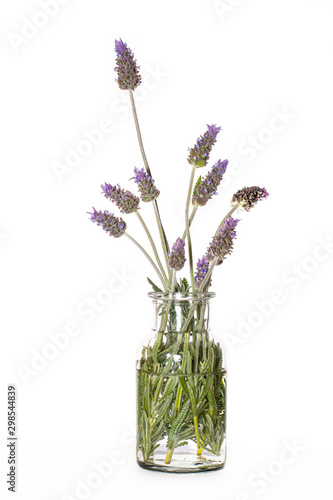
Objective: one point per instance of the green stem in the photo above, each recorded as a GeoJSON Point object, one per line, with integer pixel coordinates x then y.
{"type": "Point", "coordinates": [161, 331]}
{"type": "Point", "coordinates": [152, 245]}
{"type": "Point", "coordinates": [138, 132]}
{"type": "Point", "coordinates": [235, 207]}
{"type": "Point", "coordinates": [201, 289]}
{"type": "Point", "coordinates": [196, 353]}
{"type": "Point", "coordinates": [162, 236]}
{"type": "Point", "coordinates": [164, 240]}
{"type": "Point", "coordinates": [169, 280]}
{"type": "Point", "coordinates": [194, 211]}
{"type": "Point", "coordinates": [183, 370]}
{"type": "Point", "coordinates": [202, 334]}
{"type": "Point", "coordinates": [195, 421]}
{"type": "Point", "coordinates": [172, 288]}
{"type": "Point", "coordinates": [168, 457]}
{"type": "Point", "coordinates": [149, 258]}
{"type": "Point", "coordinates": [189, 243]}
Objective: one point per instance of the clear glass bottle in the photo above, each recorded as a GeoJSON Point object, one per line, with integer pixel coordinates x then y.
{"type": "Point", "coordinates": [181, 388]}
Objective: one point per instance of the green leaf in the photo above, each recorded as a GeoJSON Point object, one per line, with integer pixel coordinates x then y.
{"type": "Point", "coordinates": [184, 285]}
{"type": "Point", "coordinates": [183, 443]}
{"type": "Point", "coordinates": [155, 287]}
{"type": "Point", "coordinates": [164, 409]}
{"type": "Point", "coordinates": [196, 185]}
{"type": "Point", "coordinates": [176, 425]}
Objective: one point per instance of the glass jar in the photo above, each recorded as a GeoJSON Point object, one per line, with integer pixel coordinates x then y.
{"type": "Point", "coordinates": [181, 388]}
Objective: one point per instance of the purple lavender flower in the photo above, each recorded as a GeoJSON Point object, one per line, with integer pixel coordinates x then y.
{"type": "Point", "coordinates": [202, 270]}
{"type": "Point", "coordinates": [114, 226]}
{"type": "Point", "coordinates": [199, 154]}
{"type": "Point", "coordinates": [249, 196]}
{"type": "Point", "coordinates": [146, 186]}
{"type": "Point", "coordinates": [126, 67]}
{"type": "Point", "coordinates": [125, 200]}
{"type": "Point", "coordinates": [222, 243]}
{"type": "Point", "coordinates": [176, 257]}
{"type": "Point", "coordinates": [209, 184]}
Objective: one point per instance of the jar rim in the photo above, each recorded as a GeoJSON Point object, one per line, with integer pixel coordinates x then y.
{"type": "Point", "coordinates": [179, 296]}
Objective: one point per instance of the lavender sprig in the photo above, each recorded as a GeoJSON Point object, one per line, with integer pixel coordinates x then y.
{"type": "Point", "coordinates": [146, 185]}
{"type": "Point", "coordinates": [123, 199]}
{"type": "Point", "coordinates": [199, 154]}
{"type": "Point", "coordinates": [176, 257]}
{"type": "Point", "coordinates": [202, 270]}
{"type": "Point", "coordinates": [114, 226]}
{"type": "Point", "coordinates": [163, 237]}
{"type": "Point", "coordinates": [127, 203]}
{"type": "Point", "coordinates": [209, 184]}
{"type": "Point", "coordinates": [249, 196]}
{"type": "Point", "coordinates": [219, 248]}
{"type": "Point", "coordinates": [222, 243]}
{"type": "Point", "coordinates": [126, 67]}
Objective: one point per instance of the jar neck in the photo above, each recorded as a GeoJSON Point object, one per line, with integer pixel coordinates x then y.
{"type": "Point", "coordinates": [181, 313]}
{"type": "Point", "coordinates": [181, 296]}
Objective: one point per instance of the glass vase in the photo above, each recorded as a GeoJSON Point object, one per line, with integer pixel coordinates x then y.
{"type": "Point", "coordinates": [181, 388]}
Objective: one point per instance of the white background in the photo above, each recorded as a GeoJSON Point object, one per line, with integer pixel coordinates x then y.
{"type": "Point", "coordinates": [235, 63]}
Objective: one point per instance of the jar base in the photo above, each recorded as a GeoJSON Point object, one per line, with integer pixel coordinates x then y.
{"type": "Point", "coordinates": [182, 464]}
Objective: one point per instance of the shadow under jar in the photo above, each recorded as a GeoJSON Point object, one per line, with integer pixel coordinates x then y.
{"type": "Point", "coordinates": [181, 388]}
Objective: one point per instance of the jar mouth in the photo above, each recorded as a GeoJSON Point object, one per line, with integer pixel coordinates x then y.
{"type": "Point", "coordinates": [181, 296]}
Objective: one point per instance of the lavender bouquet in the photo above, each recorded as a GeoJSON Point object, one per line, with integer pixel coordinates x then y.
{"type": "Point", "coordinates": [180, 372]}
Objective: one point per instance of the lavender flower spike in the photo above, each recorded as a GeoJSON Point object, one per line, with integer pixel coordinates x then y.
{"type": "Point", "coordinates": [249, 196]}
{"type": "Point", "coordinates": [209, 184]}
{"type": "Point", "coordinates": [146, 186]}
{"type": "Point", "coordinates": [176, 257]}
{"type": "Point", "coordinates": [202, 270]}
{"type": "Point", "coordinates": [125, 200]}
{"type": "Point", "coordinates": [222, 243]}
{"type": "Point", "coordinates": [114, 226]}
{"type": "Point", "coordinates": [199, 154]}
{"type": "Point", "coordinates": [126, 67]}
